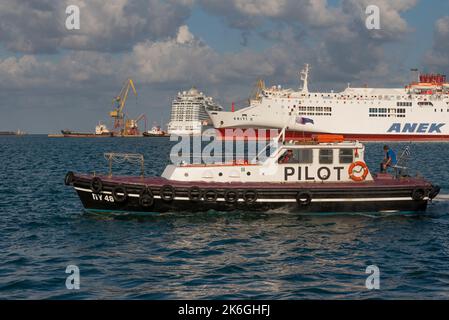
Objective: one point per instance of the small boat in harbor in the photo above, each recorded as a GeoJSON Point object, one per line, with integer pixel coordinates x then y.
{"type": "Point", "coordinates": [13, 133]}
{"type": "Point", "coordinates": [7, 133]}
{"type": "Point", "coordinates": [155, 131]}
{"type": "Point", "coordinates": [324, 175]}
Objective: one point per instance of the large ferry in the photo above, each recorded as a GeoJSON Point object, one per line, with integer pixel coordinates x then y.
{"type": "Point", "coordinates": [189, 112]}
{"type": "Point", "coordinates": [418, 112]}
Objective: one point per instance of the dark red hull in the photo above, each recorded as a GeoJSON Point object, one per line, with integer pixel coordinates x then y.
{"type": "Point", "coordinates": [158, 195]}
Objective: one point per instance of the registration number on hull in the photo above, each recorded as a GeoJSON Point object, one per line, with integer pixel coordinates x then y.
{"type": "Point", "coordinates": [102, 197]}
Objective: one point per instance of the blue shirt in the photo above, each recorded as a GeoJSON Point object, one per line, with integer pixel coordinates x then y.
{"type": "Point", "coordinates": [392, 155]}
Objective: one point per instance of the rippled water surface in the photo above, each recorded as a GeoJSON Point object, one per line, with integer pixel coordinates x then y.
{"type": "Point", "coordinates": [213, 255]}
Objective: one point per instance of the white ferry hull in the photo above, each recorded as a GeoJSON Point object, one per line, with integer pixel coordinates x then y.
{"type": "Point", "coordinates": [410, 113]}
{"type": "Point", "coordinates": [353, 120]}
{"type": "Point", "coordinates": [384, 130]}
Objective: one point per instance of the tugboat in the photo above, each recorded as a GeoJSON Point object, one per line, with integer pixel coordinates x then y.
{"type": "Point", "coordinates": [324, 175]}
{"type": "Point", "coordinates": [155, 131]}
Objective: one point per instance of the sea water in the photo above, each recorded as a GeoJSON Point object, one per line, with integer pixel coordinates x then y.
{"type": "Point", "coordinates": [214, 255]}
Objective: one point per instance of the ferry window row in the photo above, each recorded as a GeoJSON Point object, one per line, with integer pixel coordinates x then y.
{"type": "Point", "coordinates": [404, 104]}
{"type": "Point", "coordinates": [325, 156]}
{"type": "Point", "coordinates": [312, 114]}
{"type": "Point", "coordinates": [384, 115]}
{"type": "Point", "coordinates": [319, 109]}
{"type": "Point", "coordinates": [313, 111]}
{"type": "Point", "coordinates": [387, 112]}
{"type": "Point", "coordinates": [425, 104]}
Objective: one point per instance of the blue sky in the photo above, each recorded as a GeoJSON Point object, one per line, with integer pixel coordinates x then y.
{"type": "Point", "coordinates": [225, 39]}
{"type": "Point", "coordinates": [52, 78]}
{"type": "Point", "coordinates": [221, 37]}
{"type": "Point", "coordinates": [422, 18]}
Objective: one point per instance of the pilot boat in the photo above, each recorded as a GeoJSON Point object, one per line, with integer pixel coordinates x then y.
{"type": "Point", "coordinates": [326, 174]}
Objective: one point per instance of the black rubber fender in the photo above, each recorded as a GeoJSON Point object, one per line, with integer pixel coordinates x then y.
{"type": "Point", "coordinates": [119, 197]}
{"type": "Point", "coordinates": [434, 191]}
{"type": "Point", "coordinates": [195, 193]}
{"type": "Point", "coordinates": [210, 195]}
{"type": "Point", "coordinates": [146, 198]}
{"type": "Point", "coordinates": [96, 185]}
{"type": "Point", "coordinates": [418, 194]}
{"type": "Point", "coordinates": [250, 196]}
{"type": "Point", "coordinates": [231, 196]}
{"type": "Point", "coordinates": [167, 193]}
{"type": "Point", "coordinates": [304, 198]}
{"type": "Point", "coordinates": [69, 177]}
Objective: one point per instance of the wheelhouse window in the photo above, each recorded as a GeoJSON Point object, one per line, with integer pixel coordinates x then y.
{"type": "Point", "coordinates": [304, 155]}
{"type": "Point", "coordinates": [287, 157]}
{"type": "Point", "coordinates": [296, 156]}
{"type": "Point", "coordinates": [346, 156]}
{"type": "Point", "coordinates": [326, 156]}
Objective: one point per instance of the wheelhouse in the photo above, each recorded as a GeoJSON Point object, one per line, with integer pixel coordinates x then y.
{"type": "Point", "coordinates": [314, 161]}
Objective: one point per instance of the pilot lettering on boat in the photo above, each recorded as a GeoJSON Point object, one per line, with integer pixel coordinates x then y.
{"type": "Point", "coordinates": [305, 173]}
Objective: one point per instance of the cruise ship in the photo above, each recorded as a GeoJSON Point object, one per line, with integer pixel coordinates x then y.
{"type": "Point", "coordinates": [417, 112]}
{"type": "Point", "coordinates": [189, 112]}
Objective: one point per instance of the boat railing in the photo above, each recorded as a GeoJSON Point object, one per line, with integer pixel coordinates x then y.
{"type": "Point", "coordinates": [218, 159]}
{"type": "Point", "coordinates": [135, 158]}
{"type": "Point", "coordinates": [401, 166]}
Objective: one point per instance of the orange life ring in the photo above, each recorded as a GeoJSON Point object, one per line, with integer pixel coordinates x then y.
{"type": "Point", "coordinates": [358, 164]}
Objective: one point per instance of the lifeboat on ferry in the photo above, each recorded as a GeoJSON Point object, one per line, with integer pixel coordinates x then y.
{"type": "Point", "coordinates": [328, 175]}
{"type": "Point", "coordinates": [327, 138]}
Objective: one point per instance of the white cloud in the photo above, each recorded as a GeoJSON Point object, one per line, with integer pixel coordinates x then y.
{"type": "Point", "coordinates": [437, 58]}
{"type": "Point", "coordinates": [149, 41]}
{"type": "Point", "coordinates": [39, 26]}
{"type": "Point", "coordinates": [184, 35]}
{"type": "Point", "coordinates": [185, 61]}
{"type": "Point", "coordinates": [249, 14]}
{"type": "Point", "coordinates": [392, 25]}
{"type": "Point", "coordinates": [442, 27]}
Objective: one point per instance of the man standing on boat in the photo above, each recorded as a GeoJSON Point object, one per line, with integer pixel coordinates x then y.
{"type": "Point", "coordinates": [389, 160]}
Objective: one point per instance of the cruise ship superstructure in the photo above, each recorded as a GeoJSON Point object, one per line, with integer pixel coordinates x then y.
{"type": "Point", "coordinates": [419, 111]}
{"type": "Point", "coordinates": [189, 112]}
